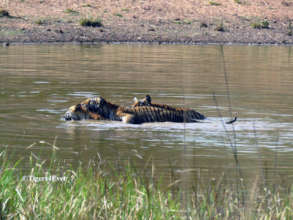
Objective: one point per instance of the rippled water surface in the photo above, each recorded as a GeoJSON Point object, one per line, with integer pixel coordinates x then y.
{"type": "Point", "coordinates": [39, 82]}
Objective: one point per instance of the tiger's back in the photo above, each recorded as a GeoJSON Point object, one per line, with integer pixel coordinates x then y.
{"type": "Point", "coordinates": [180, 114]}
{"type": "Point", "coordinates": [142, 114]}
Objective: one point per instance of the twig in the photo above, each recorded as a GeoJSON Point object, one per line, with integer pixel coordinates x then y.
{"type": "Point", "coordinates": [232, 143]}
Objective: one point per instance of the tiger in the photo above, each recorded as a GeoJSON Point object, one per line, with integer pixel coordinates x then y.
{"type": "Point", "coordinates": [189, 113]}
{"type": "Point", "coordinates": [100, 109]}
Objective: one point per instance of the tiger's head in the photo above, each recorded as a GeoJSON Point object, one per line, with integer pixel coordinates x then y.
{"type": "Point", "coordinates": [87, 109]}
{"type": "Point", "coordinates": [147, 101]}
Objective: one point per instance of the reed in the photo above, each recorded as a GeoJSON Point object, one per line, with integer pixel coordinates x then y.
{"type": "Point", "coordinates": [125, 194]}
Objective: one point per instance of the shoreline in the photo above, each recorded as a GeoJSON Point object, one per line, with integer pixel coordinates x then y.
{"type": "Point", "coordinates": [9, 43]}
{"type": "Point", "coordinates": [238, 22]}
{"type": "Point", "coordinates": [67, 39]}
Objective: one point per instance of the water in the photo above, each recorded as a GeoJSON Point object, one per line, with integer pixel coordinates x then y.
{"type": "Point", "coordinates": [39, 82]}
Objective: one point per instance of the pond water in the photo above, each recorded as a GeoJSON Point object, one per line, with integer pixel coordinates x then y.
{"type": "Point", "coordinates": [39, 82]}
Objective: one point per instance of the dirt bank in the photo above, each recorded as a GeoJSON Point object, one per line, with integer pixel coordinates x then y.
{"type": "Point", "coordinates": [190, 21]}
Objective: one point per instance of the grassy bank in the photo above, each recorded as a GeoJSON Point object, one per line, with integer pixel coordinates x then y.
{"type": "Point", "coordinates": [80, 194]}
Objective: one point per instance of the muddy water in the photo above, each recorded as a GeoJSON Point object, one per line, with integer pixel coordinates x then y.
{"type": "Point", "coordinates": [39, 82]}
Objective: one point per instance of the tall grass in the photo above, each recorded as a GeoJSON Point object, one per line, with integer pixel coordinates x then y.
{"type": "Point", "coordinates": [125, 194]}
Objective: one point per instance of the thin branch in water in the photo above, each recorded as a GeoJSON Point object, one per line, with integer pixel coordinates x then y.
{"type": "Point", "coordinates": [226, 80]}
{"type": "Point", "coordinates": [228, 90]}
{"type": "Point", "coordinates": [232, 144]}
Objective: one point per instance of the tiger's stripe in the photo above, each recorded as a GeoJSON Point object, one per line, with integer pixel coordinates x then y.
{"type": "Point", "coordinates": [177, 114]}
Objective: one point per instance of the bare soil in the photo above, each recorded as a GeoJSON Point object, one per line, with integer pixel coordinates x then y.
{"type": "Point", "coordinates": [161, 21]}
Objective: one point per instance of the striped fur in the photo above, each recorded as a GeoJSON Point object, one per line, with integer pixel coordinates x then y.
{"type": "Point", "coordinates": [189, 114]}
{"type": "Point", "coordinates": [100, 109]}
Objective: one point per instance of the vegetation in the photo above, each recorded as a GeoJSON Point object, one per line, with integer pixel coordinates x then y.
{"type": "Point", "coordinates": [261, 25]}
{"type": "Point", "coordinates": [203, 25]}
{"type": "Point", "coordinates": [71, 11]}
{"type": "Point", "coordinates": [220, 27]}
{"type": "Point", "coordinates": [214, 3]}
{"type": "Point", "coordinates": [87, 5]}
{"type": "Point", "coordinates": [79, 194]}
{"type": "Point", "coordinates": [41, 21]}
{"type": "Point", "coordinates": [238, 2]}
{"type": "Point", "coordinates": [287, 3]}
{"type": "Point", "coordinates": [179, 21]}
{"type": "Point", "coordinates": [86, 22]}
{"type": "Point", "coordinates": [118, 15]}
{"type": "Point", "coordinates": [4, 13]}
{"type": "Point", "coordinates": [290, 28]}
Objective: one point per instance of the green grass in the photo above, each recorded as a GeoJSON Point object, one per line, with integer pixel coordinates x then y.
{"type": "Point", "coordinates": [71, 11]}
{"type": "Point", "coordinates": [238, 2]}
{"type": "Point", "coordinates": [10, 33]}
{"type": "Point", "coordinates": [185, 21]}
{"type": "Point", "coordinates": [203, 25]}
{"type": "Point", "coordinates": [261, 25]}
{"type": "Point", "coordinates": [103, 192]}
{"type": "Point", "coordinates": [118, 15]}
{"type": "Point", "coordinates": [214, 3]}
{"type": "Point", "coordinates": [41, 21]}
{"type": "Point", "coordinates": [87, 6]}
{"type": "Point", "coordinates": [86, 22]}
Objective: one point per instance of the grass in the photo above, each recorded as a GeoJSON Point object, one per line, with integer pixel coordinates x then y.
{"type": "Point", "coordinates": [220, 27]}
{"type": "Point", "coordinates": [179, 21]}
{"type": "Point", "coordinates": [261, 25]}
{"type": "Point", "coordinates": [290, 28]}
{"type": "Point", "coordinates": [238, 2]}
{"type": "Point", "coordinates": [9, 33]}
{"type": "Point", "coordinates": [86, 22]}
{"type": "Point", "coordinates": [41, 21]}
{"type": "Point", "coordinates": [71, 11]}
{"type": "Point", "coordinates": [203, 25]}
{"type": "Point", "coordinates": [4, 13]}
{"type": "Point", "coordinates": [87, 6]}
{"type": "Point", "coordinates": [287, 3]}
{"type": "Point", "coordinates": [118, 15]}
{"type": "Point", "coordinates": [214, 3]}
{"type": "Point", "coordinates": [102, 192]}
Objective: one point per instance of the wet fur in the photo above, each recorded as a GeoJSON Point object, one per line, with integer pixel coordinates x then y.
{"type": "Point", "coordinates": [189, 115]}
{"type": "Point", "coordinates": [100, 109]}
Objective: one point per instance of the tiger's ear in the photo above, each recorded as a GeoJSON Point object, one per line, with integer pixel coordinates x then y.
{"type": "Point", "coordinates": [92, 106]}
{"type": "Point", "coordinates": [148, 99]}
{"type": "Point", "coordinates": [101, 100]}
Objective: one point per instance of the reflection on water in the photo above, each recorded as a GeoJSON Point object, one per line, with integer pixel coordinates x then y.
{"type": "Point", "coordinates": [39, 82]}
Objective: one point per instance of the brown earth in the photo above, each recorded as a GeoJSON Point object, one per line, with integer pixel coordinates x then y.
{"type": "Point", "coordinates": [169, 21]}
